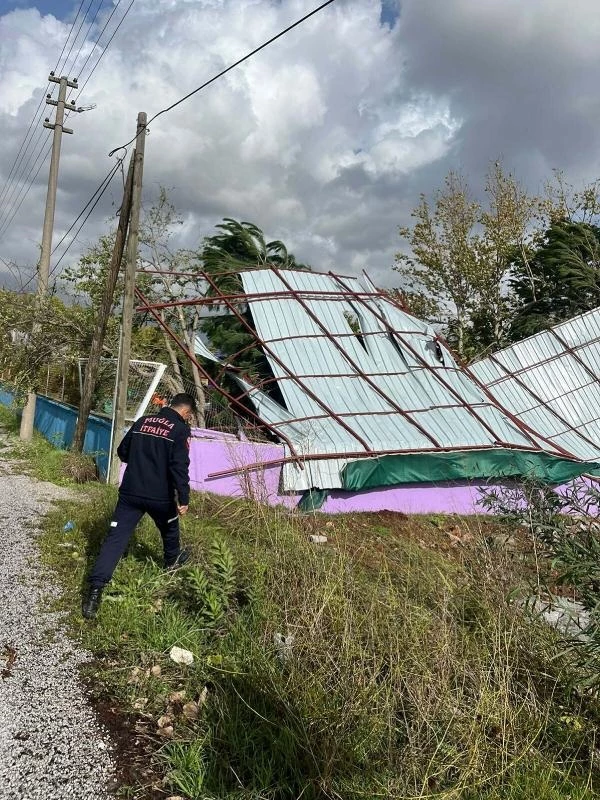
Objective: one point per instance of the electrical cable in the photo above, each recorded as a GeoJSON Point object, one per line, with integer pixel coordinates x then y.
{"type": "Point", "coordinates": [98, 194]}
{"type": "Point", "coordinates": [25, 143]}
{"type": "Point", "coordinates": [112, 13]}
{"type": "Point", "coordinates": [229, 68]}
{"type": "Point", "coordinates": [64, 67]}
{"type": "Point", "coordinates": [85, 219]}
{"type": "Point", "coordinates": [85, 38]}
{"type": "Point", "coordinates": [9, 217]}
{"type": "Point", "coordinates": [18, 195]}
{"type": "Point", "coordinates": [114, 170]}
{"type": "Point", "coordinates": [108, 178]}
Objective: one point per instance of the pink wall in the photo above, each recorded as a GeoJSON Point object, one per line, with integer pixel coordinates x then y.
{"type": "Point", "coordinates": [211, 451]}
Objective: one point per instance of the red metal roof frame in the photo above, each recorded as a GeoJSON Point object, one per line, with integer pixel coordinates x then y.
{"type": "Point", "coordinates": [230, 300]}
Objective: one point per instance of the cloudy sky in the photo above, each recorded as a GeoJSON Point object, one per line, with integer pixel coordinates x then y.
{"type": "Point", "coordinates": [325, 139]}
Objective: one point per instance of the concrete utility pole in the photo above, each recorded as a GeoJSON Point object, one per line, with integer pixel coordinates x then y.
{"type": "Point", "coordinates": [93, 363]}
{"type": "Point", "coordinates": [128, 296]}
{"type": "Point", "coordinates": [44, 265]}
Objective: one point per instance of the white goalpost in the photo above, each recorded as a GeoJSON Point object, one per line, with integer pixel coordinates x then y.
{"type": "Point", "coordinates": [144, 378]}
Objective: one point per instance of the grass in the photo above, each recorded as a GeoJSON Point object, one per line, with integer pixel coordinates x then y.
{"type": "Point", "coordinates": [388, 663]}
{"type": "Point", "coordinates": [42, 460]}
{"type": "Point", "coordinates": [8, 420]}
{"type": "Point", "coordinates": [405, 672]}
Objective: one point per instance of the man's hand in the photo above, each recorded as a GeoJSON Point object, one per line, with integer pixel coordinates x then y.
{"type": "Point", "coordinates": [182, 510]}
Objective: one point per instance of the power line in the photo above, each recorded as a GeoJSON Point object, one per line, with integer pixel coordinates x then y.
{"type": "Point", "coordinates": [18, 184]}
{"type": "Point", "coordinates": [18, 188]}
{"type": "Point", "coordinates": [18, 193]}
{"type": "Point", "coordinates": [93, 201]}
{"type": "Point", "coordinates": [8, 218]}
{"type": "Point", "coordinates": [16, 161]}
{"type": "Point", "coordinates": [83, 41]}
{"type": "Point", "coordinates": [106, 24]}
{"type": "Point", "coordinates": [69, 35]}
{"type": "Point", "coordinates": [229, 68]}
{"type": "Point", "coordinates": [159, 113]}
{"type": "Point", "coordinates": [85, 38]}
{"type": "Point", "coordinates": [112, 174]}
{"type": "Point", "coordinates": [106, 46]}
{"type": "Point", "coordinates": [108, 178]}
{"type": "Point", "coordinates": [76, 37]}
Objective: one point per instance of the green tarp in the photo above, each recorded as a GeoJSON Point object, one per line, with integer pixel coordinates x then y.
{"type": "Point", "coordinates": [369, 473]}
{"type": "Point", "coordinates": [313, 499]}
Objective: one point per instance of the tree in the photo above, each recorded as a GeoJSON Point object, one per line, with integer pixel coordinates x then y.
{"type": "Point", "coordinates": [506, 230]}
{"type": "Point", "coordinates": [85, 282]}
{"type": "Point", "coordinates": [28, 350]}
{"type": "Point", "coordinates": [156, 253]}
{"type": "Point", "coordinates": [442, 265]}
{"type": "Point", "coordinates": [457, 273]}
{"type": "Point", "coordinates": [559, 280]}
{"type": "Point", "coordinates": [239, 246]}
{"type": "Point", "coordinates": [87, 278]}
{"type": "Point", "coordinates": [564, 202]}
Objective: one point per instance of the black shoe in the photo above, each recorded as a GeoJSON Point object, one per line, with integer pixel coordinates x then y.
{"type": "Point", "coordinates": [181, 559]}
{"type": "Point", "coordinates": [91, 604]}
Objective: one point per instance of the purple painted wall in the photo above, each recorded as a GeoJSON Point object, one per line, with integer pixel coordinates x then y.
{"type": "Point", "coordinates": [410, 498]}
{"type": "Point", "coordinates": [211, 451]}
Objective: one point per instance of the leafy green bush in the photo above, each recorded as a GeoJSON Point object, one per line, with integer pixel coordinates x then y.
{"type": "Point", "coordinates": [567, 528]}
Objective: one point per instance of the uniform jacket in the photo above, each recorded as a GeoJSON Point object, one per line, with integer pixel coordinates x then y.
{"type": "Point", "coordinates": [156, 451]}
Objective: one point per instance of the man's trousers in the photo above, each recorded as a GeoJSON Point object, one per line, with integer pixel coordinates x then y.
{"type": "Point", "coordinates": [127, 514]}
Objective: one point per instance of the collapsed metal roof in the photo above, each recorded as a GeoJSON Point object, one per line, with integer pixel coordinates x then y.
{"type": "Point", "coordinates": [551, 381]}
{"type": "Point", "coordinates": [358, 378]}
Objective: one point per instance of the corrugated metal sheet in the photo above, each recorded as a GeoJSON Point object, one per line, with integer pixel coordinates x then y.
{"type": "Point", "coordinates": [551, 381]}
{"type": "Point", "coordinates": [381, 384]}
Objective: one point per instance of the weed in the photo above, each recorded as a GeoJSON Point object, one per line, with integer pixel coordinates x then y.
{"type": "Point", "coordinates": [186, 765]}
{"type": "Point", "coordinates": [8, 420]}
{"type": "Point", "coordinates": [79, 468]}
{"type": "Point", "coordinates": [566, 527]}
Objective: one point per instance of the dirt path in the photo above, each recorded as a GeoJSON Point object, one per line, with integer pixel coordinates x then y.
{"type": "Point", "coordinates": [51, 745]}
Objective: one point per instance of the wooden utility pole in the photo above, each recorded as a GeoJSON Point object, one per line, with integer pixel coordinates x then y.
{"type": "Point", "coordinates": [128, 295]}
{"type": "Point", "coordinates": [93, 363]}
{"type": "Point", "coordinates": [44, 267]}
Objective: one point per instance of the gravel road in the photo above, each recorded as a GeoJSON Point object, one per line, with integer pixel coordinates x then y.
{"type": "Point", "coordinates": [51, 745]}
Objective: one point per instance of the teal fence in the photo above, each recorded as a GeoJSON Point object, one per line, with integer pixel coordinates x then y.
{"type": "Point", "coordinates": [56, 422]}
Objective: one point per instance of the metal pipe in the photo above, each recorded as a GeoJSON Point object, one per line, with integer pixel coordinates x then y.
{"type": "Point", "coordinates": [228, 273]}
{"type": "Point", "coordinates": [219, 299]}
{"type": "Point", "coordinates": [362, 456]}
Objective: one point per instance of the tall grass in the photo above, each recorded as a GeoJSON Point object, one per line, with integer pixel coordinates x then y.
{"type": "Point", "coordinates": [371, 667]}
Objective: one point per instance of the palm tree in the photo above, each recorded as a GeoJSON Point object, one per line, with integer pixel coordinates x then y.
{"type": "Point", "coordinates": [239, 246]}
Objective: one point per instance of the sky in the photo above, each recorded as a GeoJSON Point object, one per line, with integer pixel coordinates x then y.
{"type": "Point", "coordinates": [326, 139]}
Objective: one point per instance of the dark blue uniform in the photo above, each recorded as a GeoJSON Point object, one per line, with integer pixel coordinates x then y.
{"type": "Point", "coordinates": [156, 481]}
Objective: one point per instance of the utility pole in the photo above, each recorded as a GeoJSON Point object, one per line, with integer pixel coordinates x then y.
{"type": "Point", "coordinates": [91, 370]}
{"type": "Point", "coordinates": [44, 266]}
{"type": "Point", "coordinates": [129, 292]}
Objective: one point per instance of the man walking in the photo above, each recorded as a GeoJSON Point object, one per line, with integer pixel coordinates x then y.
{"type": "Point", "coordinates": [156, 482]}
